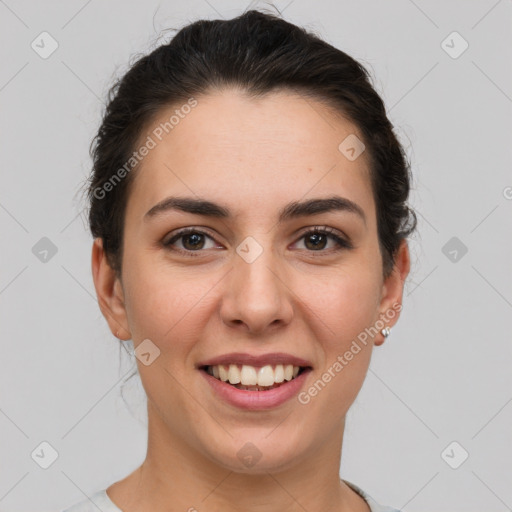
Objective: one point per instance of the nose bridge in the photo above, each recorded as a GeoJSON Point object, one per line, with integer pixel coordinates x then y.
{"type": "Point", "coordinates": [256, 263]}
{"type": "Point", "coordinates": [257, 294]}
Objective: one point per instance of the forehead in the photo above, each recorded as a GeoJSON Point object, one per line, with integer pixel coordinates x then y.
{"type": "Point", "coordinates": [250, 152]}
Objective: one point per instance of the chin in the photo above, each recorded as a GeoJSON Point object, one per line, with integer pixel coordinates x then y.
{"type": "Point", "coordinates": [255, 454]}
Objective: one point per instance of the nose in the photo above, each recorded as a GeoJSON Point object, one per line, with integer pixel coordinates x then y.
{"type": "Point", "coordinates": [256, 296]}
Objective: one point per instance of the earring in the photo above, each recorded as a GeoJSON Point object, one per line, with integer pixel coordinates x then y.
{"type": "Point", "coordinates": [385, 332]}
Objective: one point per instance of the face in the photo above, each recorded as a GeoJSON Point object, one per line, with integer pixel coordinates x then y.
{"type": "Point", "coordinates": [250, 279]}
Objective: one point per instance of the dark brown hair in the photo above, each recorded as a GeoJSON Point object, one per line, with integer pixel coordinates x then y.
{"type": "Point", "coordinates": [258, 53]}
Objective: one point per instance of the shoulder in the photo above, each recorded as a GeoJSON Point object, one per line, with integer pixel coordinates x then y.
{"type": "Point", "coordinates": [374, 506]}
{"type": "Point", "coordinates": [98, 500]}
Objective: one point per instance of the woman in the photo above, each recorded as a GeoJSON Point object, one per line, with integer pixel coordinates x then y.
{"type": "Point", "coordinates": [249, 207]}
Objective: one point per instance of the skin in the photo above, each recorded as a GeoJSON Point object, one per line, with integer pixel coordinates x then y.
{"type": "Point", "coordinates": [253, 156]}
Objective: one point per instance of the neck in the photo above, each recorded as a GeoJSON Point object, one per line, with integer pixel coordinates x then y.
{"type": "Point", "coordinates": [176, 473]}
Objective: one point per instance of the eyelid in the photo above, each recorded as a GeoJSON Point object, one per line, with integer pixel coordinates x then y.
{"type": "Point", "coordinates": [323, 229]}
{"type": "Point", "coordinates": [342, 241]}
{"type": "Point", "coordinates": [185, 231]}
{"type": "Point", "coordinates": [171, 239]}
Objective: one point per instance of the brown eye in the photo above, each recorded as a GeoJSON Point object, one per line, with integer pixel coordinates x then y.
{"type": "Point", "coordinates": [317, 240]}
{"type": "Point", "coordinates": [195, 241]}
{"type": "Point", "coordinates": [192, 241]}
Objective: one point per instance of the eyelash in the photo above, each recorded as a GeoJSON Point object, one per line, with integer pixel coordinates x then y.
{"type": "Point", "coordinates": [325, 230]}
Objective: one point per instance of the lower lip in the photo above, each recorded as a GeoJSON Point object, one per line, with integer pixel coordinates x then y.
{"type": "Point", "coordinates": [256, 400]}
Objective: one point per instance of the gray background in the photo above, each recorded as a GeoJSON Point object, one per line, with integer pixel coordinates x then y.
{"type": "Point", "coordinates": [444, 373]}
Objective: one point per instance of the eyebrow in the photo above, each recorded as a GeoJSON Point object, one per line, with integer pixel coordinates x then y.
{"type": "Point", "coordinates": [292, 210]}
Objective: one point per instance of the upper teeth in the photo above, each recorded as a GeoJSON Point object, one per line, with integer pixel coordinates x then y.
{"type": "Point", "coordinates": [254, 376]}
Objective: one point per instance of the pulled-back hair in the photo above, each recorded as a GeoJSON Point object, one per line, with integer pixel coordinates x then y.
{"type": "Point", "coordinates": [257, 53]}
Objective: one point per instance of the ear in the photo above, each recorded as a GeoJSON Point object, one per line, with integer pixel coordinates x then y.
{"type": "Point", "coordinates": [392, 290]}
{"type": "Point", "coordinates": [109, 291]}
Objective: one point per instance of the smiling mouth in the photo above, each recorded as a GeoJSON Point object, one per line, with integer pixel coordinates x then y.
{"type": "Point", "coordinates": [253, 378]}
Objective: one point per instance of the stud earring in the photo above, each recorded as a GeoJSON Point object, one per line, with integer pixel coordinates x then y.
{"type": "Point", "coordinates": [385, 332]}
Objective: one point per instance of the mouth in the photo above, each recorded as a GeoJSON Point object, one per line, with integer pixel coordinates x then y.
{"type": "Point", "coordinates": [255, 378]}
{"type": "Point", "coordinates": [255, 382]}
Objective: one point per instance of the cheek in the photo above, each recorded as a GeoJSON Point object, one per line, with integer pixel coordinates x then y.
{"type": "Point", "coordinates": [166, 307]}
{"type": "Point", "coordinates": [170, 310]}
{"type": "Point", "coordinates": [343, 310]}
{"type": "Point", "coordinates": [345, 301]}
